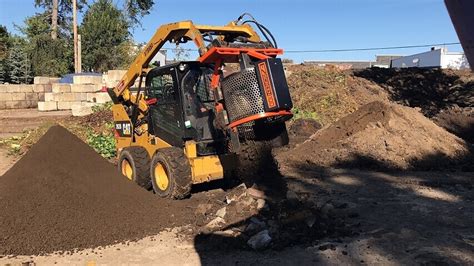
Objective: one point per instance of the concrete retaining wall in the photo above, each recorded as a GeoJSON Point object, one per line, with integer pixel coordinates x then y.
{"type": "Point", "coordinates": [13, 96]}
{"type": "Point", "coordinates": [47, 94]}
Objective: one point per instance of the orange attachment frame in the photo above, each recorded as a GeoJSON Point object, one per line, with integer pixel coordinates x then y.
{"type": "Point", "coordinates": [258, 116]}
{"type": "Point", "coordinates": [231, 55]}
{"type": "Point", "coordinates": [220, 55]}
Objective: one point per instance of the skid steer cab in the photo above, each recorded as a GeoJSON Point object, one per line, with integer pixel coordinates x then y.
{"type": "Point", "coordinates": [193, 121]}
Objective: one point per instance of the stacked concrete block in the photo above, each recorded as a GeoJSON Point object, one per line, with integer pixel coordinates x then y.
{"type": "Point", "coordinates": [86, 87]}
{"type": "Point", "coordinates": [48, 106]}
{"type": "Point", "coordinates": [18, 96]}
{"type": "Point", "coordinates": [45, 80]}
{"type": "Point", "coordinates": [98, 97]}
{"type": "Point", "coordinates": [79, 96]}
{"type": "Point", "coordinates": [61, 88]}
{"type": "Point", "coordinates": [85, 79]}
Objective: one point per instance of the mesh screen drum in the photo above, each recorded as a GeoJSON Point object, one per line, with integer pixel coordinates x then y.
{"type": "Point", "coordinates": [242, 95]}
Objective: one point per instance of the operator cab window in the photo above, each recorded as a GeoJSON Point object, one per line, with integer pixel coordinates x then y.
{"type": "Point", "coordinates": [198, 94]}
{"type": "Point", "coordinates": [199, 102]}
{"type": "Point", "coordinates": [165, 116]}
{"type": "Point", "coordinates": [162, 89]}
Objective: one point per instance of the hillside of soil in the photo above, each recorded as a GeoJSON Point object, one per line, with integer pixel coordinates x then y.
{"type": "Point", "coordinates": [328, 94]}
{"type": "Point", "coordinates": [382, 135]}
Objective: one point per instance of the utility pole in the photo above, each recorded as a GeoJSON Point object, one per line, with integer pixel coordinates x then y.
{"type": "Point", "coordinates": [74, 29]}
{"type": "Point", "coordinates": [79, 53]}
{"type": "Point", "coordinates": [54, 20]}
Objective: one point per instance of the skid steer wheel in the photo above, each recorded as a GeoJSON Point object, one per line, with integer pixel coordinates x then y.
{"type": "Point", "coordinates": [134, 163]}
{"type": "Point", "coordinates": [170, 173]}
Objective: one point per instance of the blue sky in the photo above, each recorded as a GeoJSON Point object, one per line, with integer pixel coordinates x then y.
{"type": "Point", "coordinates": [303, 24]}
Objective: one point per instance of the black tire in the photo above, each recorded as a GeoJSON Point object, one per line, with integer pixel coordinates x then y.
{"type": "Point", "coordinates": [178, 171]}
{"type": "Point", "coordinates": [139, 161]}
{"type": "Point", "coordinates": [254, 160]}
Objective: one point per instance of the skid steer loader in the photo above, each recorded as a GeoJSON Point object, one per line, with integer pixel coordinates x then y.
{"type": "Point", "coordinates": [191, 122]}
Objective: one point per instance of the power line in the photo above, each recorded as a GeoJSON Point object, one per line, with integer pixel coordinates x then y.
{"type": "Point", "coordinates": [346, 49]}
{"type": "Point", "coordinates": [372, 48]}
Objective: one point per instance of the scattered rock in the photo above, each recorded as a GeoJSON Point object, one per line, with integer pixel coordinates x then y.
{"type": "Point", "coordinates": [261, 204]}
{"type": "Point", "coordinates": [221, 212]}
{"type": "Point", "coordinates": [310, 221]}
{"type": "Point", "coordinates": [237, 193]}
{"type": "Point", "coordinates": [256, 194]}
{"type": "Point", "coordinates": [215, 223]}
{"type": "Point", "coordinates": [255, 225]}
{"type": "Point", "coordinates": [260, 241]}
{"type": "Point", "coordinates": [225, 233]}
{"type": "Point", "coordinates": [245, 203]}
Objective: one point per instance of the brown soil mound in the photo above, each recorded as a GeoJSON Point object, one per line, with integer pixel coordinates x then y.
{"type": "Point", "coordinates": [381, 135]}
{"type": "Point", "coordinates": [62, 196]}
{"type": "Point", "coordinates": [329, 94]}
{"type": "Point", "coordinates": [457, 120]}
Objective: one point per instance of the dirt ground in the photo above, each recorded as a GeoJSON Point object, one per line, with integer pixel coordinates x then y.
{"type": "Point", "coordinates": [391, 219]}
{"type": "Point", "coordinates": [14, 122]}
{"type": "Point", "coordinates": [326, 213]}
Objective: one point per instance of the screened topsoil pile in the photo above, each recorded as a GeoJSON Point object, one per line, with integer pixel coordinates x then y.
{"type": "Point", "coordinates": [63, 196]}
{"type": "Point", "coordinates": [382, 135]}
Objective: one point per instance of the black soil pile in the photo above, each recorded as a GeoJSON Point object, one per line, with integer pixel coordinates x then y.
{"type": "Point", "coordinates": [63, 196]}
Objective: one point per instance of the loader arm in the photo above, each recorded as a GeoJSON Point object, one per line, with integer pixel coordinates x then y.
{"type": "Point", "coordinates": [179, 32]}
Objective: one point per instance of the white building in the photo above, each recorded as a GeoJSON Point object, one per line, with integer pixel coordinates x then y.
{"type": "Point", "coordinates": [437, 57]}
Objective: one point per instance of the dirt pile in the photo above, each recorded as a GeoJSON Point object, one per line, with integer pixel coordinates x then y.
{"type": "Point", "coordinates": [444, 95]}
{"type": "Point", "coordinates": [63, 196]}
{"type": "Point", "coordinates": [381, 136]}
{"type": "Point", "coordinates": [432, 90]}
{"type": "Point", "coordinates": [327, 94]}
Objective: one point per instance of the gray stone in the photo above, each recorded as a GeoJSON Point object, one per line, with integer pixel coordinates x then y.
{"type": "Point", "coordinates": [255, 225]}
{"type": "Point", "coordinates": [260, 241]}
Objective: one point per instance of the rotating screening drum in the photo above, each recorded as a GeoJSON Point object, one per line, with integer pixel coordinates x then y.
{"type": "Point", "coordinates": [242, 95]}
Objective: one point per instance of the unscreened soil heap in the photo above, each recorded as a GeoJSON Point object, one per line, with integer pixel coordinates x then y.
{"type": "Point", "coordinates": [383, 136]}
{"type": "Point", "coordinates": [63, 196]}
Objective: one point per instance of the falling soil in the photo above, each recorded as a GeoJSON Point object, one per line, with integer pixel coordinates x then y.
{"type": "Point", "coordinates": [382, 136]}
{"type": "Point", "coordinates": [63, 196]}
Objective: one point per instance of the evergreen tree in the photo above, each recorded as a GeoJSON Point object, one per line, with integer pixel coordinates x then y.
{"type": "Point", "coordinates": [4, 47]}
{"type": "Point", "coordinates": [49, 57]}
{"type": "Point", "coordinates": [19, 64]}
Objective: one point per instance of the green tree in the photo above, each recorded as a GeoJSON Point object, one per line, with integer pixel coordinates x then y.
{"type": "Point", "coordinates": [5, 44]}
{"type": "Point", "coordinates": [49, 57]}
{"type": "Point", "coordinates": [105, 37]}
{"type": "Point", "coordinates": [19, 63]}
